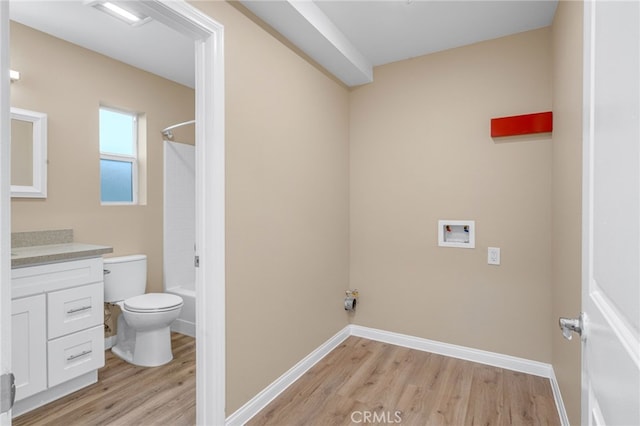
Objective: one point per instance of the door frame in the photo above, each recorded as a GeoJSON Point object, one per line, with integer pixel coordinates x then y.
{"type": "Point", "coordinates": [208, 36]}
{"type": "Point", "coordinates": [5, 201]}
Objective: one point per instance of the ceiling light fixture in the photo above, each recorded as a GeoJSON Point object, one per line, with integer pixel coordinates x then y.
{"type": "Point", "coordinates": [127, 15]}
{"type": "Point", "coordinates": [14, 75]}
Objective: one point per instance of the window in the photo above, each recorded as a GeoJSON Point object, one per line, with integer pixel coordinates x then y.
{"type": "Point", "coordinates": [118, 157]}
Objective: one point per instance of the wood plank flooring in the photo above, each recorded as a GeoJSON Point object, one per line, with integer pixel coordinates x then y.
{"type": "Point", "coordinates": [360, 382]}
{"type": "Point", "coordinates": [129, 395]}
{"type": "Point", "coordinates": [368, 382]}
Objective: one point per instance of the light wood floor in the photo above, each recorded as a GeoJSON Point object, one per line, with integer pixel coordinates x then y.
{"type": "Point", "coordinates": [359, 378]}
{"type": "Point", "coordinates": [365, 380]}
{"type": "Point", "coordinates": [130, 395]}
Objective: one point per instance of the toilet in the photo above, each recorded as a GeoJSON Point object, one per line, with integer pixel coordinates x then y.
{"type": "Point", "coordinates": [144, 335]}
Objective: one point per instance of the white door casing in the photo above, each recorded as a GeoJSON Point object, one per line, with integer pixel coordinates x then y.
{"type": "Point", "coordinates": [208, 36]}
{"type": "Point", "coordinates": [611, 214]}
{"type": "Point", "coordinates": [5, 202]}
{"type": "Point", "coordinates": [210, 189]}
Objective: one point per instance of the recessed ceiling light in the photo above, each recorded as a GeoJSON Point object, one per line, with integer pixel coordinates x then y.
{"type": "Point", "coordinates": [126, 15]}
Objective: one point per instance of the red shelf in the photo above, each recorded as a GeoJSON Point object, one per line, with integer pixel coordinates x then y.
{"type": "Point", "coordinates": [541, 122]}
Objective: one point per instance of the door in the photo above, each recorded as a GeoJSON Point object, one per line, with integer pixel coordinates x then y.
{"type": "Point", "coordinates": [611, 214]}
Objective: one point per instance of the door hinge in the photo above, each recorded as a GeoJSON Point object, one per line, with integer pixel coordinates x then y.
{"type": "Point", "coordinates": [7, 392]}
{"type": "Point", "coordinates": [196, 261]}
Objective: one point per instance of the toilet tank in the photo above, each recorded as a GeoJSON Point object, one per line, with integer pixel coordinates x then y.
{"type": "Point", "coordinates": [124, 277]}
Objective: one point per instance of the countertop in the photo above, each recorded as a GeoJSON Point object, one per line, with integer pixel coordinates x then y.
{"type": "Point", "coordinates": [51, 253]}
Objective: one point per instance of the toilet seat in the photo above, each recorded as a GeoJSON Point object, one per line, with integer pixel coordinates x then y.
{"type": "Point", "coordinates": [153, 302]}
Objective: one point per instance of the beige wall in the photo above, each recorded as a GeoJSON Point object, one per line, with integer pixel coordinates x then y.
{"type": "Point", "coordinates": [69, 83]}
{"type": "Point", "coordinates": [421, 151]}
{"type": "Point", "coordinates": [287, 205]}
{"type": "Point", "coordinates": [567, 191]}
{"type": "Point", "coordinates": [287, 190]}
{"type": "Point", "coordinates": [329, 189]}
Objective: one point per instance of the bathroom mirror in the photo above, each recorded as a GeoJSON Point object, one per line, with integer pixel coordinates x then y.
{"type": "Point", "coordinates": [28, 154]}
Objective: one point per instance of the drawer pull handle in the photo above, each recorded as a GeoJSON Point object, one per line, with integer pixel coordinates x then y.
{"type": "Point", "coordinates": [83, 353]}
{"type": "Point", "coordinates": [76, 310]}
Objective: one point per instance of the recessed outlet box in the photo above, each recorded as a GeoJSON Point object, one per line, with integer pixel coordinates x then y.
{"type": "Point", "coordinates": [457, 233]}
{"type": "Point", "coordinates": [493, 256]}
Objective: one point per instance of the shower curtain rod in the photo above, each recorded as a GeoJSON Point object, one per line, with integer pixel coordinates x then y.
{"type": "Point", "coordinates": [168, 129]}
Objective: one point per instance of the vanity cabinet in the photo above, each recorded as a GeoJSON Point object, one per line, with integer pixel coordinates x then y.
{"type": "Point", "coordinates": [58, 332]}
{"type": "Point", "coordinates": [29, 344]}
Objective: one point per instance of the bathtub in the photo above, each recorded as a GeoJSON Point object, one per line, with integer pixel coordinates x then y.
{"type": "Point", "coordinates": [186, 322]}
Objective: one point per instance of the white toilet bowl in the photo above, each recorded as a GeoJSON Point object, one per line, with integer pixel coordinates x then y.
{"type": "Point", "coordinates": [144, 335]}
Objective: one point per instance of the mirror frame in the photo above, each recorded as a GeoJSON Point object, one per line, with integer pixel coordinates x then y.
{"type": "Point", "coordinates": [39, 122]}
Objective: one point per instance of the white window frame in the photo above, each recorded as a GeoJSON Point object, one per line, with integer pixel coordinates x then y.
{"type": "Point", "coordinates": [133, 159]}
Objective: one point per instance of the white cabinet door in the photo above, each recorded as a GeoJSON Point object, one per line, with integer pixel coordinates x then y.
{"type": "Point", "coordinates": [29, 345]}
{"type": "Point", "coordinates": [611, 215]}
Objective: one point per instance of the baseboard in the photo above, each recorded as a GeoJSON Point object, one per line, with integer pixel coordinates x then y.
{"type": "Point", "coordinates": [557, 396]}
{"type": "Point", "coordinates": [475, 355]}
{"type": "Point", "coordinates": [461, 352]}
{"type": "Point", "coordinates": [261, 400]}
{"type": "Point", "coordinates": [51, 394]}
{"type": "Point", "coordinates": [268, 394]}
{"type": "Point", "coordinates": [184, 327]}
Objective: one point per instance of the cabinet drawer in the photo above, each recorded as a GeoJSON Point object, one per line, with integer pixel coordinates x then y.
{"type": "Point", "coordinates": [56, 276]}
{"type": "Point", "coordinates": [75, 309]}
{"type": "Point", "coordinates": [76, 354]}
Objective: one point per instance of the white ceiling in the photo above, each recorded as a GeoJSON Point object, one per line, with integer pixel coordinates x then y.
{"type": "Point", "coordinates": [348, 38]}
{"type": "Point", "coordinates": [153, 46]}
{"type": "Point", "coordinates": [387, 32]}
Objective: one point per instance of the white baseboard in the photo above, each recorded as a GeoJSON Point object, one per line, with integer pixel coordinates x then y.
{"type": "Point", "coordinates": [476, 355]}
{"type": "Point", "coordinates": [268, 394]}
{"type": "Point", "coordinates": [461, 352]}
{"type": "Point", "coordinates": [184, 327]}
{"type": "Point", "coordinates": [51, 394]}
{"type": "Point", "coordinates": [261, 400]}
{"type": "Point", "coordinates": [562, 411]}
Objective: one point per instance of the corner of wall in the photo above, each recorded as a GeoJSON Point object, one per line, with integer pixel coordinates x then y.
{"type": "Point", "coordinates": [567, 44]}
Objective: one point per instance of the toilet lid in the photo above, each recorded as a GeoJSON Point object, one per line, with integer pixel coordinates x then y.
{"type": "Point", "coordinates": [153, 302]}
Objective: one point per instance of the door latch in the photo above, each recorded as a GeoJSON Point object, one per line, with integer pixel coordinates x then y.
{"type": "Point", "coordinates": [7, 392]}
{"type": "Point", "coordinates": [571, 325]}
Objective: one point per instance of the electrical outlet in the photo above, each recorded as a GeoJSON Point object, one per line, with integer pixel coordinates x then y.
{"type": "Point", "coordinates": [493, 256]}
